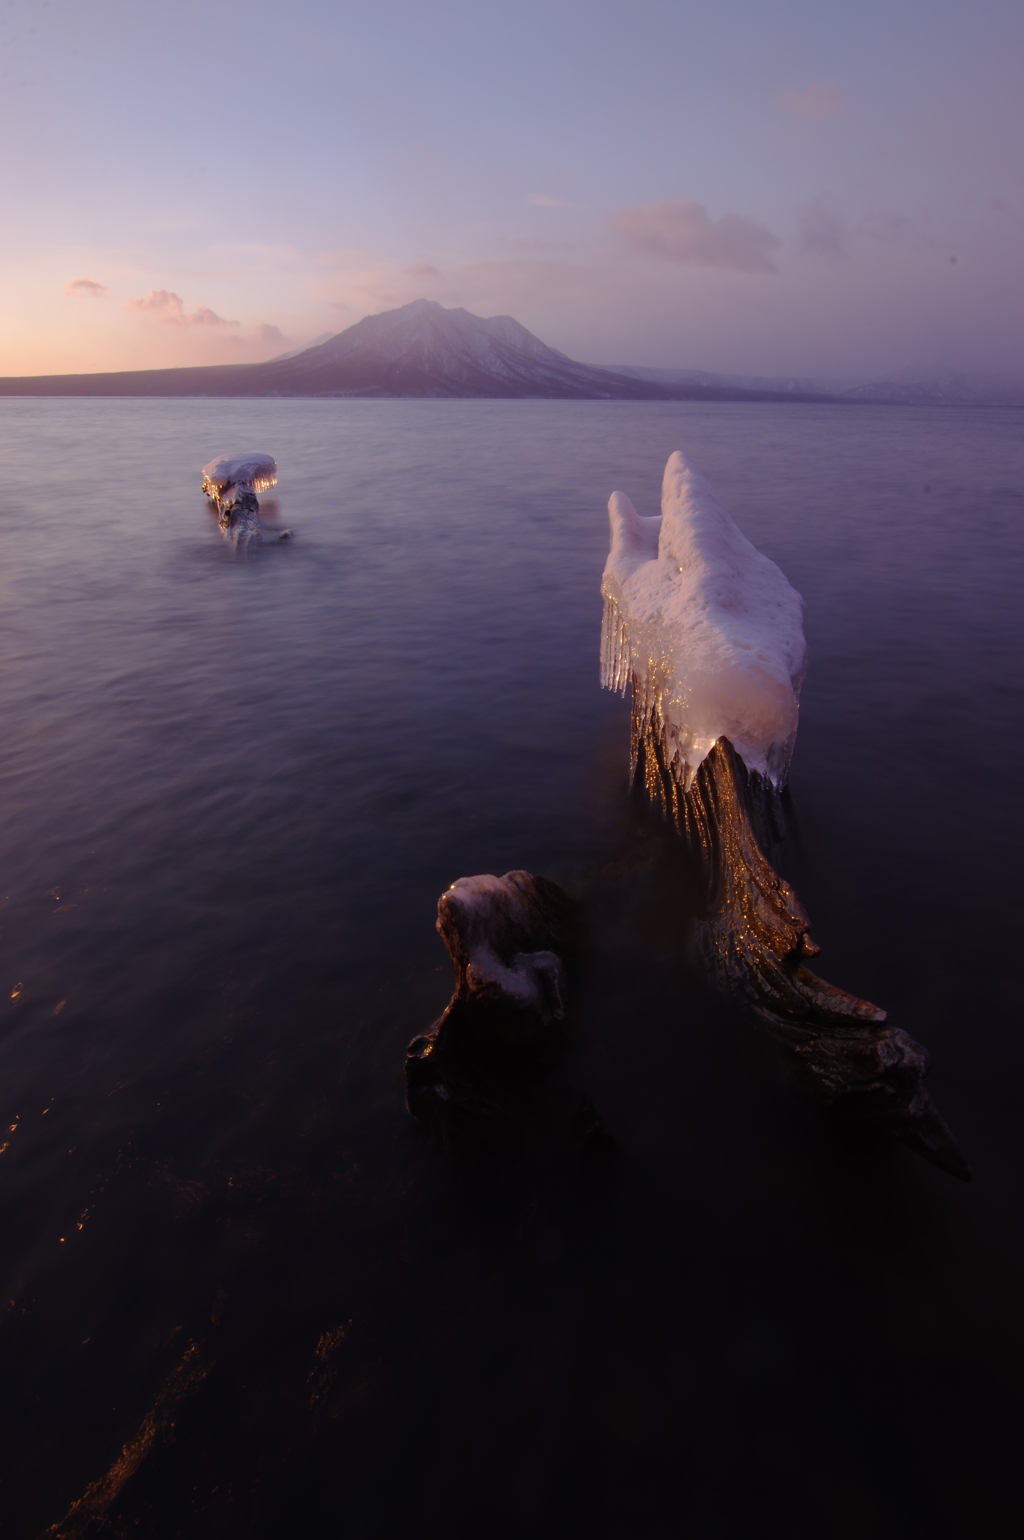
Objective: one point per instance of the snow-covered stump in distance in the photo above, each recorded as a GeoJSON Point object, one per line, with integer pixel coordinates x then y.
{"type": "Point", "coordinates": [490, 1070]}
{"type": "Point", "coordinates": [708, 635]}
{"type": "Point", "coordinates": [232, 483]}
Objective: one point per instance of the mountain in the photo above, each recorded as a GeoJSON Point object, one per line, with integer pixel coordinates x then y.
{"type": "Point", "coordinates": [294, 352]}
{"type": "Point", "coordinates": [942, 387]}
{"type": "Point", "coordinates": [935, 387]}
{"type": "Point", "coordinates": [424, 350]}
{"type": "Point", "coordinates": [788, 386]}
{"type": "Point", "coordinates": [421, 349]}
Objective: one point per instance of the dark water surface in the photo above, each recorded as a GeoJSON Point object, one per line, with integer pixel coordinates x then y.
{"type": "Point", "coordinates": [241, 1296]}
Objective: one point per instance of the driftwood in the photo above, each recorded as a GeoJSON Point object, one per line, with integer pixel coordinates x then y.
{"type": "Point", "coordinates": [491, 1068]}
{"type": "Point", "coordinates": [231, 483]}
{"type": "Point", "coordinates": [753, 937]}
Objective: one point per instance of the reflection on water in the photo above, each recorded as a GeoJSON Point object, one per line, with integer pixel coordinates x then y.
{"type": "Point", "coordinates": [243, 1297]}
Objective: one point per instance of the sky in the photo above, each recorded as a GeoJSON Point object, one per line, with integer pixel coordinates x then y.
{"type": "Point", "coordinates": [829, 188]}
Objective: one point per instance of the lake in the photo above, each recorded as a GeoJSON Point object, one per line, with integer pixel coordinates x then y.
{"type": "Point", "coordinates": [242, 1296]}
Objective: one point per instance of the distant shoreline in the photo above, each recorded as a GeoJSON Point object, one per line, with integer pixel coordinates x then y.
{"type": "Point", "coordinates": [423, 351]}
{"type": "Point", "coordinates": [10, 389]}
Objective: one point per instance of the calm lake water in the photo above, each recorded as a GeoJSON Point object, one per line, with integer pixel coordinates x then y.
{"type": "Point", "coordinates": [242, 1298]}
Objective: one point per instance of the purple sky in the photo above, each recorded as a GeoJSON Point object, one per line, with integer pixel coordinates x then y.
{"type": "Point", "coordinates": [786, 188]}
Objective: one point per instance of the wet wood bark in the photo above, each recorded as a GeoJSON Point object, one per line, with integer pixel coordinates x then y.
{"type": "Point", "coordinates": [753, 937]}
{"type": "Point", "coordinates": [490, 1071]}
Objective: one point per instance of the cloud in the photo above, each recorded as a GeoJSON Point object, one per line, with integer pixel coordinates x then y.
{"type": "Point", "coordinates": [545, 201]}
{"type": "Point", "coordinates": [204, 316]}
{"type": "Point", "coordinates": [823, 232]}
{"type": "Point", "coordinates": [170, 308]}
{"type": "Point", "coordinates": [683, 231]}
{"type": "Point", "coordinates": [271, 335]}
{"type": "Point", "coordinates": [85, 288]}
{"type": "Point", "coordinates": [263, 336]}
{"type": "Point", "coordinates": [524, 246]}
{"type": "Point", "coordinates": [818, 101]}
{"type": "Point", "coordinates": [420, 270]}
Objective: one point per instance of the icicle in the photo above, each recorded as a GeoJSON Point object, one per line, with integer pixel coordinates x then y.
{"type": "Point", "coordinates": [706, 625]}
{"type": "Point", "coordinates": [616, 671]}
{"type": "Point", "coordinates": [231, 483]}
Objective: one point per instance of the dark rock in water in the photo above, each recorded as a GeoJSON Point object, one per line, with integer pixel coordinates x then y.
{"type": "Point", "coordinates": [491, 1069]}
{"type": "Point", "coordinates": [753, 936]}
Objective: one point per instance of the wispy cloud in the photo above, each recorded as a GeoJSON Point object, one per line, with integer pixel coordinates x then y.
{"type": "Point", "coordinates": [681, 230]}
{"type": "Point", "coordinates": [546, 201]}
{"type": "Point", "coordinates": [269, 334]}
{"type": "Point", "coordinates": [891, 228]}
{"type": "Point", "coordinates": [823, 232]}
{"type": "Point", "coordinates": [823, 100]}
{"type": "Point", "coordinates": [161, 302]}
{"type": "Point", "coordinates": [85, 288]}
{"type": "Point", "coordinates": [170, 308]}
{"type": "Point", "coordinates": [526, 245]}
{"type": "Point", "coordinates": [204, 316]}
{"type": "Point", "coordinates": [420, 270]}
{"type": "Point", "coordinates": [264, 335]}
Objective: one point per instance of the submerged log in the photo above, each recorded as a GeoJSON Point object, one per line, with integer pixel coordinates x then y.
{"type": "Point", "coordinates": [753, 936]}
{"type": "Point", "coordinates": [491, 1068]}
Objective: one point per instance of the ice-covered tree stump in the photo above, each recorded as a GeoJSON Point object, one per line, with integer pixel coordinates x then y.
{"type": "Point", "coordinates": [491, 1068]}
{"type": "Point", "coordinates": [708, 635]}
{"type": "Point", "coordinates": [232, 484]}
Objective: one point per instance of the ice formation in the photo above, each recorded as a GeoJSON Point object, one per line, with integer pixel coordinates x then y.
{"type": "Point", "coordinates": [231, 483]}
{"type": "Point", "coordinates": [709, 636]}
{"type": "Point", "coordinates": [492, 1067]}
{"type": "Point", "coordinates": [476, 915]}
{"type": "Point", "coordinates": [706, 629]}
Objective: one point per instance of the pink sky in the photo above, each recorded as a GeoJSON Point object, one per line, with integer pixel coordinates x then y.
{"type": "Point", "coordinates": [793, 189]}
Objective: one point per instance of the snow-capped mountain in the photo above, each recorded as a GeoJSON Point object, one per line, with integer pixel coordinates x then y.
{"type": "Point", "coordinates": [422, 349]}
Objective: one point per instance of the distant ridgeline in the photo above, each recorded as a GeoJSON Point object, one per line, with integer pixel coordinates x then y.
{"type": "Point", "coordinates": [422, 349]}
